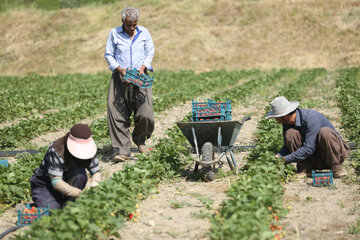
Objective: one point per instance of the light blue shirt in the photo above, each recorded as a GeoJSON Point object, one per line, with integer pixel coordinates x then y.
{"type": "Point", "coordinates": [121, 51]}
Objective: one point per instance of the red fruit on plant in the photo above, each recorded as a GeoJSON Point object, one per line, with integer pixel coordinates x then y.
{"type": "Point", "coordinates": [131, 216]}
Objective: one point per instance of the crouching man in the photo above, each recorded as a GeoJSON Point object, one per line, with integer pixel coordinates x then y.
{"type": "Point", "coordinates": [62, 176]}
{"type": "Point", "coordinates": [310, 139]}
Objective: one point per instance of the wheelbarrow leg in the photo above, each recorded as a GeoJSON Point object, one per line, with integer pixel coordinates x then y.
{"type": "Point", "coordinates": [233, 160]}
{"type": "Point", "coordinates": [219, 140]}
{"type": "Point", "coordinates": [229, 161]}
{"type": "Point", "coordinates": [196, 148]}
{"type": "Point", "coordinates": [221, 156]}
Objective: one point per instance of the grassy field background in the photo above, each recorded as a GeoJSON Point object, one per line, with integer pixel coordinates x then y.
{"type": "Point", "coordinates": [201, 35]}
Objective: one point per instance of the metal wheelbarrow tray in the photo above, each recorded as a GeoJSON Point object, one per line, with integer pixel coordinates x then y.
{"type": "Point", "coordinates": [204, 136]}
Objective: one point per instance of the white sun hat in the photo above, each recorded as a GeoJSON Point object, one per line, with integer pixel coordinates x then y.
{"type": "Point", "coordinates": [280, 107]}
{"type": "Point", "coordinates": [80, 142]}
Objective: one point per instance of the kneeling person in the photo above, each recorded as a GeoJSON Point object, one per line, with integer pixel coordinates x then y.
{"type": "Point", "coordinates": [62, 176]}
{"type": "Point", "coordinates": [310, 139]}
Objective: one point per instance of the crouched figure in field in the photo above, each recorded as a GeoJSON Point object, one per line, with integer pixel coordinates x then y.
{"type": "Point", "coordinates": [62, 176]}
{"type": "Point", "coordinates": [310, 139]}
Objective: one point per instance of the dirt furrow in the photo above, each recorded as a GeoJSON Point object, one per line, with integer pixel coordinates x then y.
{"type": "Point", "coordinates": [321, 212]}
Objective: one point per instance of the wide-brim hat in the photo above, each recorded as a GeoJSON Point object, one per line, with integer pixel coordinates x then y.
{"type": "Point", "coordinates": [80, 142]}
{"type": "Point", "coordinates": [280, 107]}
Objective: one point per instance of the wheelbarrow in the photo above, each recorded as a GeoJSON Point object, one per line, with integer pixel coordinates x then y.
{"type": "Point", "coordinates": [209, 137]}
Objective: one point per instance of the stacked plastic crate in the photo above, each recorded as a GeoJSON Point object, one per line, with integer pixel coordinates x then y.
{"type": "Point", "coordinates": [211, 111]}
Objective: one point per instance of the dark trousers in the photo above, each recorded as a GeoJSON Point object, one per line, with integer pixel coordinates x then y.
{"type": "Point", "coordinates": [330, 151]}
{"type": "Point", "coordinates": [123, 99]}
{"type": "Point", "coordinates": [43, 193]}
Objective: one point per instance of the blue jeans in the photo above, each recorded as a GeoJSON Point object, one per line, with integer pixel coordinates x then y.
{"type": "Point", "coordinates": [43, 193]}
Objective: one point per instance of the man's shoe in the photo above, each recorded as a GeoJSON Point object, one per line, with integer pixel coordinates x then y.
{"type": "Point", "coordinates": [339, 174]}
{"type": "Point", "coordinates": [121, 158]}
{"type": "Point", "coordinates": [309, 173]}
{"type": "Point", "coordinates": [142, 148]}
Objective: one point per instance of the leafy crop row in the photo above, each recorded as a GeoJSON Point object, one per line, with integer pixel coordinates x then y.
{"type": "Point", "coordinates": [14, 180]}
{"type": "Point", "coordinates": [32, 127]}
{"type": "Point", "coordinates": [82, 96]}
{"type": "Point", "coordinates": [25, 130]}
{"type": "Point", "coordinates": [210, 81]}
{"type": "Point", "coordinates": [254, 201]}
{"type": "Point", "coordinates": [238, 94]}
{"type": "Point", "coordinates": [348, 95]}
{"type": "Point", "coordinates": [35, 94]}
{"type": "Point", "coordinates": [199, 84]}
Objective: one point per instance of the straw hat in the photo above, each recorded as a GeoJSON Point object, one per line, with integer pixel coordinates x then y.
{"type": "Point", "coordinates": [80, 143]}
{"type": "Point", "coordinates": [280, 107]}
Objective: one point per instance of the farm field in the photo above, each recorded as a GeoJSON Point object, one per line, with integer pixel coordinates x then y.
{"type": "Point", "coordinates": [157, 195]}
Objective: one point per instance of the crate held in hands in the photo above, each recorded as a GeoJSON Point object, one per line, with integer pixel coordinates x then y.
{"type": "Point", "coordinates": [143, 81]}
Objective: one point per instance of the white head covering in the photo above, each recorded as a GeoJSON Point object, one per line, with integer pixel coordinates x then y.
{"type": "Point", "coordinates": [280, 107]}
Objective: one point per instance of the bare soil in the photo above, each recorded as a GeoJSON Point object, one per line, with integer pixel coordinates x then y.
{"type": "Point", "coordinates": [198, 35]}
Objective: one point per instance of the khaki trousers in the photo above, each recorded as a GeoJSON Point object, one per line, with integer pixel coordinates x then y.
{"type": "Point", "coordinates": [330, 151]}
{"type": "Point", "coordinates": [124, 99]}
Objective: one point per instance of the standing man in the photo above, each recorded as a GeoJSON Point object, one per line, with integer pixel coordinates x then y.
{"type": "Point", "coordinates": [310, 139]}
{"type": "Point", "coordinates": [129, 46]}
{"type": "Point", "coordinates": [61, 176]}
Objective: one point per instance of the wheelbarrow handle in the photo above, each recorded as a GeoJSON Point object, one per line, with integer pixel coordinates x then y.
{"type": "Point", "coordinates": [244, 119]}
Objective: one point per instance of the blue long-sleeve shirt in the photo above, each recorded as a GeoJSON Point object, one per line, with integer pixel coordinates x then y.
{"type": "Point", "coordinates": [121, 51]}
{"type": "Point", "coordinates": [308, 122]}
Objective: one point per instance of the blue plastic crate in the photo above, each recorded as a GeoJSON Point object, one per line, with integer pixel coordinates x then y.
{"type": "Point", "coordinates": [212, 116]}
{"type": "Point", "coordinates": [4, 163]}
{"type": "Point", "coordinates": [322, 178]}
{"type": "Point", "coordinates": [211, 103]}
{"type": "Point", "coordinates": [25, 219]}
{"type": "Point", "coordinates": [211, 111]}
{"type": "Point", "coordinates": [143, 81]}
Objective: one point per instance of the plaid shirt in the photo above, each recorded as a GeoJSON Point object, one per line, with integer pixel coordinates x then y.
{"type": "Point", "coordinates": [53, 164]}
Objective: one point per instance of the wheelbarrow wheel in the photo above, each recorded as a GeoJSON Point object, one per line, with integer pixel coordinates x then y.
{"type": "Point", "coordinates": [207, 153]}
{"type": "Point", "coordinates": [209, 176]}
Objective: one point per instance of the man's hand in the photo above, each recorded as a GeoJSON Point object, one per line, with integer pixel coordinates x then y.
{"type": "Point", "coordinates": [121, 71]}
{"type": "Point", "coordinates": [95, 179]}
{"type": "Point", "coordinates": [142, 70]}
{"type": "Point", "coordinates": [278, 156]}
